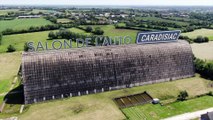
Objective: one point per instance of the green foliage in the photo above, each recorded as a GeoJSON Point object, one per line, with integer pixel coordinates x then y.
{"type": "Point", "coordinates": [67, 34]}
{"type": "Point", "coordinates": [0, 38]}
{"type": "Point", "coordinates": [205, 68]}
{"type": "Point", "coordinates": [98, 31]}
{"type": "Point", "coordinates": [11, 48]}
{"type": "Point", "coordinates": [26, 47]}
{"type": "Point", "coordinates": [185, 38]}
{"type": "Point", "coordinates": [51, 35]}
{"type": "Point", "coordinates": [182, 96]}
{"type": "Point", "coordinates": [158, 112]}
{"type": "Point", "coordinates": [51, 18]}
{"type": "Point", "coordinates": [210, 93]}
{"type": "Point", "coordinates": [88, 29]}
{"type": "Point", "coordinates": [201, 39]}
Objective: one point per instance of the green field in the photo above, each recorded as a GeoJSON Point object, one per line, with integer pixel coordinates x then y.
{"type": "Point", "coordinates": [203, 51]}
{"type": "Point", "coordinates": [163, 20]}
{"type": "Point", "coordinates": [18, 40]}
{"type": "Point", "coordinates": [200, 32]}
{"type": "Point", "coordinates": [63, 20]}
{"type": "Point", "coordinates": [18, 24]}
{"type": "Point", "coordinates": [9, 64]}
{"type": "Point", "coordinates": [156, 112]}
{"type": "Point", "coordinates": [4, 12]}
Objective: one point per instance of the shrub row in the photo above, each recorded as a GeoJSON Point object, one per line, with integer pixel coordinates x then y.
{"type": "Point", "coordinates": [36, 29]}
{"type": "Point", "coordinates": [205, 68]}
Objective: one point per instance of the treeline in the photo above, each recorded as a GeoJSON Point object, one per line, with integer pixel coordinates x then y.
{"type": "Point", "coordinates": [37, 29]}
{"type": "Point", "coordinates": [205, 68]}
{"type": "Point", "coordinates": [131, 28]}
{"type": "Point", "coordinates": [67, 34]}
{"type": "Point", "coordinates": [199, 39]}
{"type": "Point", "coordinates": [89, 29]}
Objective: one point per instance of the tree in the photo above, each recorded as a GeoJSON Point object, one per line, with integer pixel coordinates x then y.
{"type": "Point", "coordinates": [201, 39]}
{"type": "Point", "coordinates": [11, 48]}
{"type": "Point", "coordinates": [88, 29]}
{"type": "Point", "coordinates": [0, 38]}
{"type": "Point", "coordinates": [51, 35]}
{"type": "Point", "coordinates": [206, 39]}
{"type": "Point", "coordinates": [182, 96]}
{"type": "Point", "coordinates": [26, 47]}
{"type": "Point", "coordinates": [98, 31]}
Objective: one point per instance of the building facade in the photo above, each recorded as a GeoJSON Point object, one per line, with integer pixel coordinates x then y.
{"type": "Point", "coordinates": [73, 72]}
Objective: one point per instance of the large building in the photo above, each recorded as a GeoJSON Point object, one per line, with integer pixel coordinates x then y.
{"type": "Point", "coordinates": [72, 72]}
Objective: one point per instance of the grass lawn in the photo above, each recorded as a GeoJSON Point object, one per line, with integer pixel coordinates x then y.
{"type": "Point", "coordinates": [18, 24]}
{"type": "Point", "coordinates": [18, 40]}
{"type": "Point", "coordinates": [203, 50]}
{"type": "Point", "coordinates": [203, 32]}
{"type": "Point", "coordinates": [63, 20]}
{"type": "Point", "coordinates": [156, 112]}
{"type": "Point", "coordinates": [9, 64]}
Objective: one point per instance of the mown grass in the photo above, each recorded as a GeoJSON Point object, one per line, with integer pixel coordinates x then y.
{"type": "Point", "coordinates": [18, 24]}
{"type": "Point", "coordinates": [156, 112]}
{"type": "Point", "coordinates": [203, 50]}
{"type": "Point", "coordinates": [9, 66]}
{"type": "Point", "coordinates": [200, 32]}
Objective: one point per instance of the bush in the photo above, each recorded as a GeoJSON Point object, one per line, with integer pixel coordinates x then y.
{"type": "Point", "coordinates": [10, 48]}
{"type": "Point", "coordinates": [201, 39]}
{"type": "Point", "coordinates": [210, 93]}
{"type": "Point", "coordinates": [52, 35]}
{"type": "Point", "coordinates": [26, 47]}
{"type": "Point", "coordinates": [98, 31]}
{"type": "Point", "coordinates": [88, 29]}
{"type": "Point", "coordinates": [205, 68]}
{"type": "Point", "coordinates": [182, 96]}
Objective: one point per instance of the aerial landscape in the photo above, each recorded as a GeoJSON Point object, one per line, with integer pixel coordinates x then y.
{"type": "Point", "coordinates": [83, 62]}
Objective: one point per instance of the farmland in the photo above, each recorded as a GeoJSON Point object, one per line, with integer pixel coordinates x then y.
{"type": "Point", "coordinates": [101, 106]}
{"type": "Point", "coordinates": [156, 112]}
{"type": "Point", "coordinates": [203, 51]}
{"type": "Point", "coordinates": [200, 32]}
{"type": "Point", "coordinates": [5, 12]}
{"type": "Point", "coordinates": [63, 20]}
{"type": "Point", "coordinates": [18, 24]}
{"type": "Point", "coordinates": [18, 40]}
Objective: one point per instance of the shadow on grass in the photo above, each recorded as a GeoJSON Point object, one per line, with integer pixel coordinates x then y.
{"type": "Point", "coordinates": [15, 96]}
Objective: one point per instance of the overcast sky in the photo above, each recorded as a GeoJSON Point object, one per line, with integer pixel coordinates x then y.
{"type": "Point", "coordinates": [108, 2]}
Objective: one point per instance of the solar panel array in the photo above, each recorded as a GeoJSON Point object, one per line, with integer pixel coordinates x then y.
{"type": "Point", "coordinates": [73, 72]}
